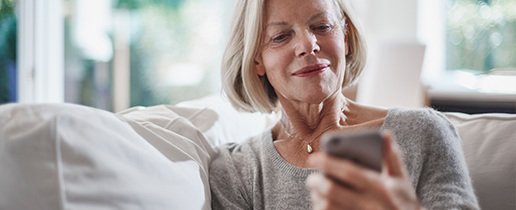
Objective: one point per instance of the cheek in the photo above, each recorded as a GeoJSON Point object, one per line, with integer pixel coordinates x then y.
{"type": "Point", "coordinates": [336, 52]}
{"type": "Point", "coordinates": [275, 62]}
{"type": "Point", "coordinates": [338, 47]}
{"type": "Point", "coordinates": [274, 58]}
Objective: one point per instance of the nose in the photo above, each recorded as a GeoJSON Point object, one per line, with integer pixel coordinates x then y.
{"type": "Point", "coordinates": [307, 44]}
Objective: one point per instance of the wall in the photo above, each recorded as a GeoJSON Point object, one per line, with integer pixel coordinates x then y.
{"type": "Point", "coordinates": [392, 74]}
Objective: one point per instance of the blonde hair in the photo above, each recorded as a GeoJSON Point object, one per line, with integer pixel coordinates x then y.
{"type": "Point", "coordinates": [244, 88]}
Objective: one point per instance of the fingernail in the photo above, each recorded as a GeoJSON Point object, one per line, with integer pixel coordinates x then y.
{"type": "Point", "coordinates": [311, 180]}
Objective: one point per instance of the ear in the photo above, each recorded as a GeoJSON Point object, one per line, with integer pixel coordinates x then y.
{"type": "Point", "coordinates": [258, 66]}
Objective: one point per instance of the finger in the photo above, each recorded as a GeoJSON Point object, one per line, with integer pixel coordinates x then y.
{"type": "Point", "coordinates": [393, 160]}
{"type": "Point", "coordinates": [317, 200]}
{"type": "Point", "coordinates": [327, 194]}
{"type": "Point", "coordinates": [346, 171]}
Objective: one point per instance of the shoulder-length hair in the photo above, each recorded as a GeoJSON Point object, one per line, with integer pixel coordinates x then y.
{"type": "Point", "coordinates": [245, 89]}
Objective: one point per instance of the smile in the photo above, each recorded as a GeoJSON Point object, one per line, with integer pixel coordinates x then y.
{"type": "Point", "coordinates": [311, 71]}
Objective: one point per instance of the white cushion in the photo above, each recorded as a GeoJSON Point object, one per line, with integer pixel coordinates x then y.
{"type": "Point", "coordinates": [489, 144]}
{"type": "Point", "coordinates": [176, 137]}
{"type": "Point", "coordinates": [63, 156]}
{"type": "Point", "coordinates": [221, 123]}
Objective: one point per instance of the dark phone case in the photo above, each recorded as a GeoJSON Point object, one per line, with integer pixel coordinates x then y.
{"type": "Point", "coordinates": [365, 147]}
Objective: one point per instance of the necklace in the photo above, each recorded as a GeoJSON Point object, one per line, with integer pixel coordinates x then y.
{"type": "Point", "coordinates": [308, 147]}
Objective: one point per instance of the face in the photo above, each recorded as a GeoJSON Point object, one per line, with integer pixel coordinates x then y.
{"type": "Point", "coordinates": [303, 49]}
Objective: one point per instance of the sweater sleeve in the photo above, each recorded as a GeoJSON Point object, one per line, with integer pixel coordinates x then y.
{"type": "Point", "coordinates": [443, 182]}
{"type": "Point", "coordinates": [226, 181]}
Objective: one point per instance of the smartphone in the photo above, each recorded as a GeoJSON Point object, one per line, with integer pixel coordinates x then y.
{"type": "Point", "coordinates": [364, 147]}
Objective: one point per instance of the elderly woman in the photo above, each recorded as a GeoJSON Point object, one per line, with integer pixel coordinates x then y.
{"type": "Point", "coordinates": [295, 56]}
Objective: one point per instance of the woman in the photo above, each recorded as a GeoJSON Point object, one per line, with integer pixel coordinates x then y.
{"type": "Point", "coordinates": [296, 56]}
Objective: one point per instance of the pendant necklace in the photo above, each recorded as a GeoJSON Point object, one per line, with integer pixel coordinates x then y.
{"type": "Point", "coordinates": [308, 147]}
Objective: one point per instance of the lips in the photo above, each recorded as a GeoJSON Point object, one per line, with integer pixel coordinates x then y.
{"type": "Point", "coordinates": [311, 70]}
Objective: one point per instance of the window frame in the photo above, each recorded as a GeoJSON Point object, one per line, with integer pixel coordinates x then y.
{"type": "Point", "coordinates": [40, 59]}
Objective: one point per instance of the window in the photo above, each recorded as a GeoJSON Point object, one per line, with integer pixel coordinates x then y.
{"type": "Point", "coordinates": [471, 46]}
{"type": "Point", "coordinates": [141, 53]}
{"type": "Point", "coordinates": [111, 54]}
{"type": "Point", "coordinates": [8, 25]}
{"type": "Point", "coordinates": [481, 34]}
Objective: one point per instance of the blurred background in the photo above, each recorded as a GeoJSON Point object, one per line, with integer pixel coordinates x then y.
{"type": "Point", "coordinates": [453, 55]}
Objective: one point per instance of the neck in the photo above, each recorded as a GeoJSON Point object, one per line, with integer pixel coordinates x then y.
{"type": "Point", "coordinates": [307, 121]}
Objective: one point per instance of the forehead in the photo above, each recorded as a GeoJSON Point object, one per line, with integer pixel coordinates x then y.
{"type": "Point", "coordinates": [292, 10]}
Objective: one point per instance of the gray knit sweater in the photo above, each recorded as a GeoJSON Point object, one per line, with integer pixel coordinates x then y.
{"type": "Point", "coordinates": [253, 175]}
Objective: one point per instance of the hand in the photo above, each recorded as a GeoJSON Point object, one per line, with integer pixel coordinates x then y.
{"type": "Point", "coordinates": [353, 186]}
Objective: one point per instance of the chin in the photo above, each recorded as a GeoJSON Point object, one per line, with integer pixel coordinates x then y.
{"type": "Point", "coordinates": [316, 97]}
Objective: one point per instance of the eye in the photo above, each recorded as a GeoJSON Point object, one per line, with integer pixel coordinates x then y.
{"type": "Point", "coordinates": [323, 28]}
{"type": "Point", "coordinates": [279, 38]}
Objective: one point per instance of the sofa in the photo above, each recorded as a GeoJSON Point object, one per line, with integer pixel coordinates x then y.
{"type": "Point", "coordinates": [66, 156]}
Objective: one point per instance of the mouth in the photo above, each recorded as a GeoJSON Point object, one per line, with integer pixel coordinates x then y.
{"type": "Point", "coordinates": [310, 71]}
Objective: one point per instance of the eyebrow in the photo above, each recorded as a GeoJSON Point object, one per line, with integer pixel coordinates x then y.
{"type": "Point", "coordinates": [285, 23]}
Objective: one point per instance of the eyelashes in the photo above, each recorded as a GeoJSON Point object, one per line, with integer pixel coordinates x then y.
{"type": "Point", "coordinates": [323, 28]}
{"type": "Point", "coordinates": [284, 36]}
{"type": "Point", "coordinates": [280, 38]}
